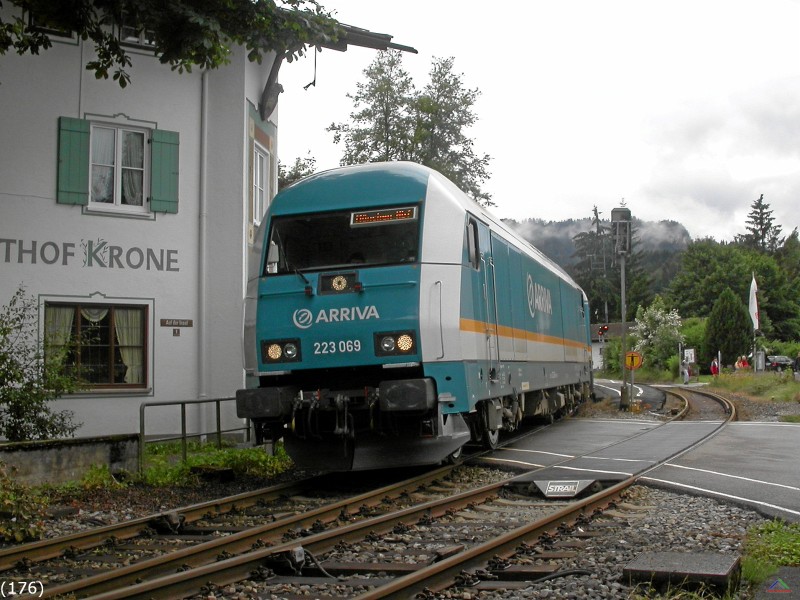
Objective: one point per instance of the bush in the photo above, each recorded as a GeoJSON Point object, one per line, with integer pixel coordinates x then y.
{"type": "Point", "coordinates": [28, 381]}
{"type": "Point", "coordinates": [22, 510]}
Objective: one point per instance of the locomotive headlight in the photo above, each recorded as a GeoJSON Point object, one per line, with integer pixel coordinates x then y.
{"type": "Point", "coordinates": [405, 343]}
{"type": "Point", "coordinates": [387, 344]}
{"type": "Point", "coordinates": [394, 343]}
{"type": "Point", "coordinates": [274, 351]}
{"type": "Point", "coordinates": [280, 351]}
{"type": "Point", "coordinates": [290, 349]}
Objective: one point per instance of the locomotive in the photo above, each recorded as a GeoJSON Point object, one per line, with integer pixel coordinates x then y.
{"type": "Point", "coordinates": [390, 319]}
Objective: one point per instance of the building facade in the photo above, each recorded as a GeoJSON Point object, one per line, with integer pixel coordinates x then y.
{"type": "Point", "coordinates": [128, 213]}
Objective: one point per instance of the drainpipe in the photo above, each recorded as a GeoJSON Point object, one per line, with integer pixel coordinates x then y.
{"type": "Point", "coordinates": [202, 355]}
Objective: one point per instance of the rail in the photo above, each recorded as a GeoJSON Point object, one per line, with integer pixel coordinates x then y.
{"type": "Point", "coordinates": [184, 436]}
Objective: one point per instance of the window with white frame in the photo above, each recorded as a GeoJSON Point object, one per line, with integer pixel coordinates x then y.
{"type": "Point", "coordinates": [119, 167]}
{"type": "Point", "coordinates": [260, 182]}
{"type": "Point", "coordinates": [118, 174]}
{"type": "Point", "coordinates": [141, 37]}
{"type": "Point", "coordinates": [104, 345]}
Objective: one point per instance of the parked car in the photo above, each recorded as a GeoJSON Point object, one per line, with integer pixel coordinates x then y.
{"type": "Point", "coordinates": [779, 363]}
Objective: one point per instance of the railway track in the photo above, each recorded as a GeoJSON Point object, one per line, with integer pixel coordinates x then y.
{"type": "Point", "coordinates": [419, 536]}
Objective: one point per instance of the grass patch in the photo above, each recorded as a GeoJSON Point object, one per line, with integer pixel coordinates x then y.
{"type": "Point", "coordinates": [768, 546]}
{"type": "Point", "coordinates": [164, 467]}
{"type": "Point", "coordinates": [775, 541]}
{"type": "Point", "coordinates": [777, 387]}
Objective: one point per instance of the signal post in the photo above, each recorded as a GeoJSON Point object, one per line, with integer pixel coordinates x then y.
{"type": "Point", "coordinates": [621, 231]}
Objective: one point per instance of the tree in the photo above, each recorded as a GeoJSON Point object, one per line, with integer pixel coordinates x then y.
{"type": "Point", "coordinates": [598, 271]}
{"type": "Point", "coordinates": [444, 111]}
{"type": "Point", "coordinates": [728, 329]}
{"type": "Point", "coordinates": [392, 121]}
{"type": "Point", "coordinates": [708, 268]}
{"type": "Point", "coordinates": [763, 234]}
{"type": "Point", "coordinates": [788, 257]}
{"type": "Point", "coordinates": [302, 167]}
{"type": "Point", "coordinates": [184, 33]}
{"type": "Point", "coordinates": [592, 269]}
{"type": "Point", "coordinates": [31, 377]}
{"type": "Point", "coordinates": [658, 333]}
{"type": "Point", "coordinates": [383, 121]}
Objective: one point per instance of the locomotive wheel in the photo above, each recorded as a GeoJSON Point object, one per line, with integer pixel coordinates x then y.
{"type": "Point", "coordinates": [489, 437]}
{"type": "Point", "coordinates": [454, 457]}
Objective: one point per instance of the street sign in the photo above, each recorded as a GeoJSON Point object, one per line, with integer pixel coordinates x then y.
{"type": "Point", "coordinates": [633, 360]}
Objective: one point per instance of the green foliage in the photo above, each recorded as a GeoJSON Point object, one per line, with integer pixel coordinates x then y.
{"type": "Point", "coordinates": [393, 121]}
{"type": "Point", "coordinates": [185, 34]}
{"type": "Point", "coordinates": [22, 510]}
{"type": "Point", "coordinates": [763, 234]}
{"type": "Point", "coordinates": [612, 356]}
{"type": "Point", "coordinates": [302, 167]}
{"type": "Point", "coordinates": [598, 271]}
{"type": "Point", "coordinates": [659, 333]}
{"type": "Point", "coordinates": [383, 122]}
{"type": "Point", "coordinates": [708, 268]}
{"type": "Point", "coordinates": [778, 387]}
{"type": "Point", "coordinates": [99, 477]}
{"type": "Point", "coordinates": [693, 330]}
{"type": "Point", "coordinates": [31, 378]}
{"type": "Point", "coordinates": [775, 542]}
{"type": "Point", "coordinates": [728, 330]}
{"type": "Point", "coordinates": [757, 570]}
{"type": "Point", "coordinates": [772, 347]}
{"type": "Point", "coordinates": [164, 467]}
{"type": "Point", "coordinates": [444, 112]}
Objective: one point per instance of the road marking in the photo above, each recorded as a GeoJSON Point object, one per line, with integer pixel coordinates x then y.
{"type": "Point", "coordinates": [748, 479]}
{"type": "Point", "coordinates": [722, 495]}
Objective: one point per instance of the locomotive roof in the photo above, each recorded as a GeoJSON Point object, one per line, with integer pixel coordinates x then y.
{"type": "Point", "coordinates": [388, 183]}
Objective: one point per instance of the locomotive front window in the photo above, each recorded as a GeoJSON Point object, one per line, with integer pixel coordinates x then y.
{"type": "Point", "coordinates": [336, 240]}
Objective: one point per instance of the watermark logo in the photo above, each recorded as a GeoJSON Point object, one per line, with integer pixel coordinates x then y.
{"type": "Point", "coordinates": [779, 586]}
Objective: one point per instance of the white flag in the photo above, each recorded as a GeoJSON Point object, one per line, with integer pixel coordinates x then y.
{"type": "Point", "coordinates": [754, 303]}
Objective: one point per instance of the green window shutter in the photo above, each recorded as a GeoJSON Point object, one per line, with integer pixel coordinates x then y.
{"type": "Point", "coordinates": [164, 171]}
{"type": "Point", "coordinates": [73, 161]}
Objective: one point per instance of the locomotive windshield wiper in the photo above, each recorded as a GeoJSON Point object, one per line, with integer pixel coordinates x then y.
{"type": "Point", "coordinates": [299, 273]}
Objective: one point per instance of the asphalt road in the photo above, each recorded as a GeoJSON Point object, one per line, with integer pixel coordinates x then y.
{"type": "Point", "coordinates": [749, 463]}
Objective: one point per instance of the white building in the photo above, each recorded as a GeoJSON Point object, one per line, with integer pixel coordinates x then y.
{"type": "Point", "coordinates": [128, 214]}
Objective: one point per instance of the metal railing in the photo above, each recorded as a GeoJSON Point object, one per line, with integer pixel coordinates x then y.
{"type": "Point", "coordinates": [183, 437]}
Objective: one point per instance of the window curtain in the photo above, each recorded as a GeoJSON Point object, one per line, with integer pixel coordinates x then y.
{"type": "Point", "coordinates": [132, 167]}
{"type": "Point", "coordinates": [103, 149]}
{"type": "Point", "coordinates": [95, 315]}
{"type": "Point", "coordinates": [130, 334]}
{"type": "Point", "coordinates": [57, 330]}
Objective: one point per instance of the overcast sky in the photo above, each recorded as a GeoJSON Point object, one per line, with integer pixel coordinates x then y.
{"type": "Point", "coordinates": [686, 109]}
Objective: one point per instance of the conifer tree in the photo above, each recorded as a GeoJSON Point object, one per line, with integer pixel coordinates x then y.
{"type": "Point", "coordinates": [729, 329]}
{"type": "Point", "coordinates": [762, 232]}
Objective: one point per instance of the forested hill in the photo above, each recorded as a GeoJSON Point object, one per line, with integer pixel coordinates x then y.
{"type": "Point", "coordinates": [555, 238]}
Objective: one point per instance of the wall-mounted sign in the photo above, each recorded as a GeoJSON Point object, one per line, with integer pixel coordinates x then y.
{"type": "Point", "coordinates": [176, 323]}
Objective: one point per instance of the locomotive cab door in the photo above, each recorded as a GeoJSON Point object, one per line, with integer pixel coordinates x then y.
{"type": "Point", "coordinates": [484, 294]}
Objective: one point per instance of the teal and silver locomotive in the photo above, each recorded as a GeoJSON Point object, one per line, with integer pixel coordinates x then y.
{"type": "Point", "coordinates": [390, 319]}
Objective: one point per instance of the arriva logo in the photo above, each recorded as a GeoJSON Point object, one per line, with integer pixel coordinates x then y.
{"type": "Point", "coordinates": [538, 298]}
{"type": "Point", "coordinates": [304, 318]}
